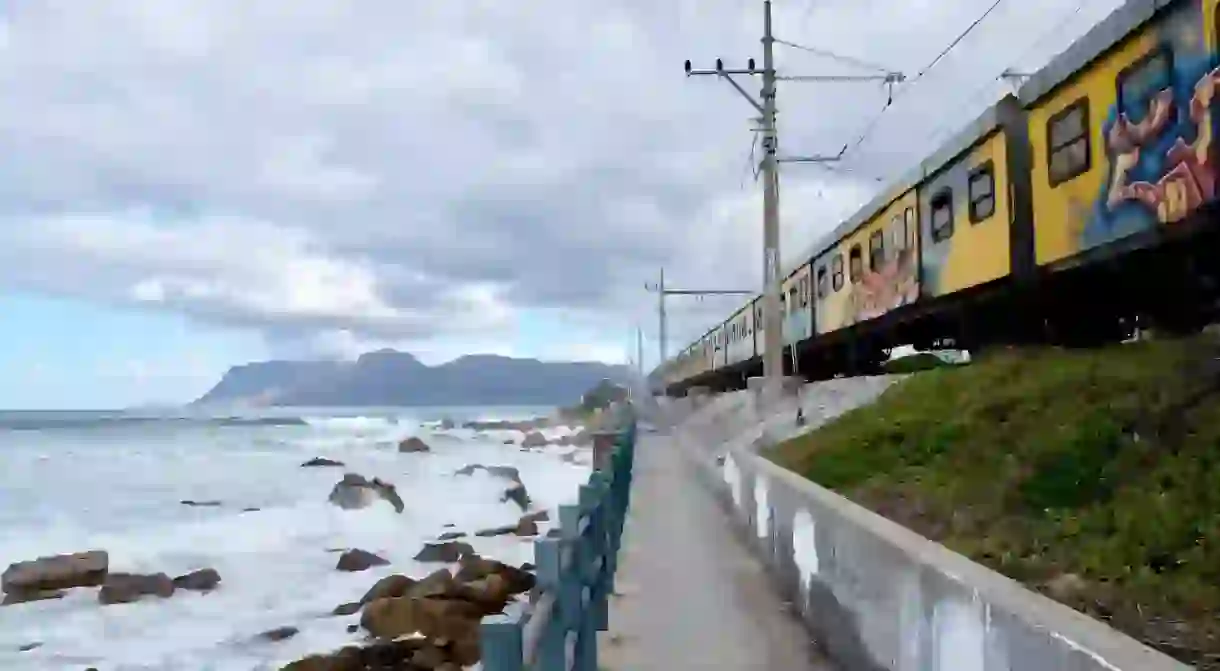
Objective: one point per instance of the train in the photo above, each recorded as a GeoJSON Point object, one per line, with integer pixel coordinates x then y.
{"type": "Point", "coordinates": [1078, 209]}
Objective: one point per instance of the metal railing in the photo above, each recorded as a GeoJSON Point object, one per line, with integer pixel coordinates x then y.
{"type": "Point", "coordinates": [575, 572]}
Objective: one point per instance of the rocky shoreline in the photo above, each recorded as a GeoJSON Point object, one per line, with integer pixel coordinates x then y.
{"type": "Point", "coordinates": [422, 622]}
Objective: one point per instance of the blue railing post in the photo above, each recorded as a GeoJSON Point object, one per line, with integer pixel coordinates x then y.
{"type": "Point", "coordinates": [575, 572]}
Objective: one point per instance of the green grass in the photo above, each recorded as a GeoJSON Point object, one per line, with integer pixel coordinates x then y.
{"type": "Point", "coordinates": [1093, 476]}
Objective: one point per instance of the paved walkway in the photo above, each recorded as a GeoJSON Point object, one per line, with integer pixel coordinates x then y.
{"type": "Point", "coordinates": [691, 596]}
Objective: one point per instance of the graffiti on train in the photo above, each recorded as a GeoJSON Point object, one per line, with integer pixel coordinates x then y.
{"type": "Point", "coordinates": [893, 285]}
{"type": "Point", "coordinates": [1162, 155]}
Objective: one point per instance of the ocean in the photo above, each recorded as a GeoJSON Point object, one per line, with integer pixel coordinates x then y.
{"type": "Point", "coordinates": [78, 481]}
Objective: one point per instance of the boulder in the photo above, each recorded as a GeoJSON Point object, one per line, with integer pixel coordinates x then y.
{"type": "Point", "coordinates": [451, 535]}
{"type": "Point", "coordinates": [49, 574]}
{"type": "Point", "coordinates": [447, 424]}
{"type": "Point", "coordinates": [321, 461]}
{"type": "Point", "coordinates": [413, 444]}
{"type": "Point", "coordinates": [496, 531]}
{"type": "Point", "coordinates": [506, 472]}
{"type": "Point", "coordinates": [355, 491]}
{"type": "Point", "coordinates": [534, 439]}
{"type": "Point", "coordinates": [380, 655]}
{"type": "Point", "coordinates": [582, 437]}
{"type": "Point", "coordinates": [279, 633]}
{"type": "Point", "coordinates": [129, 587]}
{"type": "Point", "coordinates": [447, 552]}
{"type": "Point", "coordinates": [526, 527]}
{"type": "Point", "coordinates": [347, 608]}
{"type": "Point", "coordinates": [475, 568]}
{"type": "Point", "coordinates": [200, 504]}
{"type": "Point", "coordinates": [518, 494]}
{"type": "Point", "coordinates": [439, 584]}
{"type": "Point", "coordinates": [14, 598]}
{"type": "Point", "coordinates": [388, 587]}
{"type": "Point", "coordinates": [203, 580]}
{"type": "Point", "coordinates": [454, 620]}
{"type": "Point", "coordinates": [359, 560]}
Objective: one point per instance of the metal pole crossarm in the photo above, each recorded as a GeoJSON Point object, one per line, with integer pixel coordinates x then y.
{"type": "Point", "coordinates": [891, 78]}
{"type": "Point", "coordinates": [696, 73]}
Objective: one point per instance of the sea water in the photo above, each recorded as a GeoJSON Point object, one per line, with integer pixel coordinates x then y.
{"type": "Point", "coordinates": [71, 482]}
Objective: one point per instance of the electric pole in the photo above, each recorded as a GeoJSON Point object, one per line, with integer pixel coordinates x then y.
{"type": "Point", "coordinates": [773, 340]}
{"type": "Point", "coordinates": [661, 291]}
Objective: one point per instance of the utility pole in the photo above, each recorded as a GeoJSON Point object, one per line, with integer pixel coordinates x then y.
{"type": "Point", "coordinates": [661, 291]}
{"type": "Point", "coordinates": [773, 341]}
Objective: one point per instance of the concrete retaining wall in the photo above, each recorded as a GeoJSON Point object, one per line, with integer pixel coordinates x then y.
{"type": "Point", "coordinates": [878, 596]}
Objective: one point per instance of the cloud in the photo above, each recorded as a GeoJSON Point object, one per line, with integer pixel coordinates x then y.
{"type": "Point", "coordinates": [421, 171]}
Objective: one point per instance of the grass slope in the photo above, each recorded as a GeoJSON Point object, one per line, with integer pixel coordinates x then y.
{"type": "Point", "coordinates": [1091, 476]}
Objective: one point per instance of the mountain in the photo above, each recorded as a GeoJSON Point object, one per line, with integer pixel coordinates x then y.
{"type": "Point", "coordinates": [391, 378]}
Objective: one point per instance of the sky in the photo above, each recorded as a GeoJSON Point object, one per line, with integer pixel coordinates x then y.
{"type": "Point", "coordinates": [187, 185]}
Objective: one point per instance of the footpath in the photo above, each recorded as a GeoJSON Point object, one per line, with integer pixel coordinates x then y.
{"type": "Point", "coordinates": [689, 594]}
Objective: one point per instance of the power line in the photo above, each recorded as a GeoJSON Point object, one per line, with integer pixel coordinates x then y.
{"type": "Point", "coordinates": [868, 129]}
{"type": "Point", "coordinates": [826, 53]}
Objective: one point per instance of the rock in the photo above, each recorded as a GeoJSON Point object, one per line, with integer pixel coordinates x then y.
{"type": "Point", "coordinates": [203, 504]}
{"type": "Point", "coordinates": [47, 574]}
{"type": "Point", "coordinates": [1065, 586]}
{"type": "Point", "coordinates": [379, 656]}
{"type": "Point", "coordinates": [528, 566]}
{"type": "Point", "coordinates": [413, 444]}
{"type": "Point", "coordinates": [321, 461]}
{"type": "Point", "coordinates": [475, 568]}
{"type": "Point", "coordinates": [439, 583]}
{"type": "Point", "coordinates": [451, 535]}
{"type": "Point", "coordinates": [29, 646]}
{"type": "Point", "coordinates": [347, 608]}
{"type": "Point", "coordinates": [14, 598]}
{"type": "Point", "coordinates": [359, 560]}
{"type": "Point", "coordinates": [129, 587]}
{"type": "Point", "coordinates": [250, 510]}
{"type": "Point", "coordinates": [538, 516]}
{"type": "Point", "coordinates": [203, 580]}
{"type": "Point", "coordinates": [447, 552]}
{"type": "Point", "coordinates": [582, 437]}
{"type": "Point", "coordinates": [534, 439]}
{"type": "Point", "coordinates": [518, 494]}
{"type": "Point", "coordinates": [355, 491]}
{"type": "Point", "coordinates": [388, 587]}
{"type": "Point", "coordinates": [496, 531]}
{"type": "Point", "coordinates": [506, 472]}
{"type": "Point", "coordinates": [353, 628]}
{"type": "Point", "coordinates": [509, 441]}
{"type": "Point", "coordinates": [429, 657]}
{"type": "Point", "coordinates": [451, 619]}
{"type": "Point", "coordinates": [526, 527]}
{"type": "Point", "coordinates": [279, 633]}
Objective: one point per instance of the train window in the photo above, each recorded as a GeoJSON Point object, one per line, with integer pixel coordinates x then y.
{"type": "Point", "coordinates": [823, 282]}
{"type": "Point", "coordinates": [805, 291]}
{"type": "Point", "coordinates": [1143, 80]}
{"type": "Point", "coordinates": [837, 271]}
{"type": "Point", "coordinates": [942, 216]}
{"type": "Point", "coordinates": [909, 217]}
{"type": "Point", "coordinates": [758, 318]}
{"type": "Point", "coordinates": [792, 299]}
{"type": "Point", "coordinates": [1068, 146]}
{"type": "Point", "coordinates": [855, 264]}
{"type": "Point", "coordinates": [876, 250]}
{"type": "Point", "coordinates": [981, 189]}
{"type": "Point", "coordinates": [898, 235]}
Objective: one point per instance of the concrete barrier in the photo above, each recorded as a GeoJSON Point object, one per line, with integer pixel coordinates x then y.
{"type": "Point", "coordinates": [876, 595]}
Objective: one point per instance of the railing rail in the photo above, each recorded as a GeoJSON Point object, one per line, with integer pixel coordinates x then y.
{"type": "Point", "coordinates": [558, 631]}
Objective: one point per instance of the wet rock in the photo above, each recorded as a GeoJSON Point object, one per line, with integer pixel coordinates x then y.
{"type": "Point", "coordinates": [347, 608]}
{"type": "Point", "coordinates": [528, 566]}
{"type": "Point", "coordinates": [203, 580]}
{"type": "Point", "coordinates": [279, 633]}
{"type": "Point", "coordinates": [509, 441]}
{"type": "Point", "coordinates": [14, 598]}
{"type": "Point", "coordinates": [250, 510]}
{"type": "Point", "coordinates": [29, 646]}
{"type": "Point", "coordinates": [451, 535]}
{"type": "Point", "coordinates": [496, 531]}
{"type": "Point", "coordinates": [447, 552]}
{"type": "Point", "coordinates": [388, 587]}
{"type": "Point", "coordinates": [518, 494]}
{"type": "Point", "coordinates": [413, 444]}
{"type": "Point", "coordinates": [355, 491]}
{"type": "Point", "coordinates": [353, 628]}
{"type": "Point", "coordinates": [582, 437]}
{"type": "Point", "coordinates": [475, 568]}
{"type": "Point", "coordinates": [526, 527]}
{"type": "Point", "coordinates": [200, 504]}
{"type": "Point", "coordinates": [379, 656]}
{"type": "Point", "coordinates": [537, 516]}
{"type": "Point", "coordinates": [130, 587]}
{"type": "Point", "coordinates": [48, 574]}
{"type": "Point", "coordinates": [321, 461]}
{"type": "Point", "coordinates": [439, 583]}
{"type": "Point", "coordinates": [447, 424]}
{"type": "Point", "coordinates": [506, 472]}
{"type": "Point", "coordinates": [451, 619]}
{"type": "Point", "coordinates": [359, 560]}
{"type": "Point", "coordinates": [534, 439]}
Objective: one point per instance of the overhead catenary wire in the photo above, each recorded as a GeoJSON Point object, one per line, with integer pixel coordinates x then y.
{"type": "Point", "coordinates": [872, 124]}
{"type": "Point", "coordinates": [826, 53]}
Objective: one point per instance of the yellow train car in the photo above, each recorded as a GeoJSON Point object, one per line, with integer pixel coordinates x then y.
{"type": "Point", "coordinates": [974, 212]}
{"type": "Point", "coordinates": [1122, 129]}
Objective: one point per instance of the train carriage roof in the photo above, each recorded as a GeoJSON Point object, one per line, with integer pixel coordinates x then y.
{"type": "Point", "coordinates": [1111, 30]}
